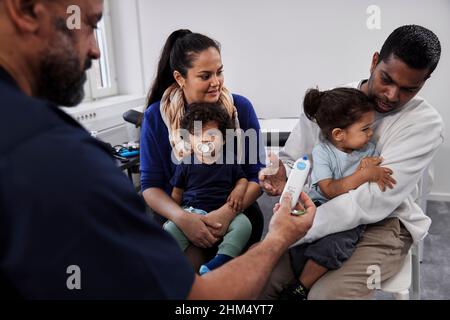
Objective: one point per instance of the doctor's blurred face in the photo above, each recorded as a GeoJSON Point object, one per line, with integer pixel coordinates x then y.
{"type": "Point", "coordinates": [393, 83]}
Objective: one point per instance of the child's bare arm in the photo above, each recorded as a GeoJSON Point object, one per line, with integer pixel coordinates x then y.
{"type": "Point", "coordinates": [177, 195]}
{"type": "Point", "coordinates": [334, 188]}
{"type": "Point", "coordinates": [241, 184]}
{"type": "Point", "coordinates": [236, 197]}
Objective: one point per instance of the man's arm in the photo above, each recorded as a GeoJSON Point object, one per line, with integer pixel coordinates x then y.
{"type": "Point", "coordinates": [245, 276]}
{"type": "Point", "coordinates": [408, 147]}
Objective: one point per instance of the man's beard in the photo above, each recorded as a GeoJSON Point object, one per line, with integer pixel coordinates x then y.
{"type": "Point", "coordinates": [389, 106]}
{"type": "Point", "coordinates": [61, 80]}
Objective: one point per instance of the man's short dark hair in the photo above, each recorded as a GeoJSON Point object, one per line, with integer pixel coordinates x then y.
{"type": "Point", "coordinates": [415, 45]}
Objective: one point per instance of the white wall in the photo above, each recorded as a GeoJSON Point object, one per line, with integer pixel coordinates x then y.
{"type": "Point", "coordinates": [127, 42]}
{"type": "Point", "coordinates": [273, 50]}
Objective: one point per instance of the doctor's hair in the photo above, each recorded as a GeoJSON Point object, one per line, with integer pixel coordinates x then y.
{"type": "Point", "coordinates": [415, 45]}
{"type": "Point", "coordinates": [207, 112]}
{"type": "Point", "coordinates": [180, 50]}
{"type": "Point", "coordinates": [336, 108]}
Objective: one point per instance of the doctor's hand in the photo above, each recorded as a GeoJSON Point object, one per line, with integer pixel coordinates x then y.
{"type": "Point", "coordinates": [272, 179]}
{"type": "Point", "coordinates": [290, 228]}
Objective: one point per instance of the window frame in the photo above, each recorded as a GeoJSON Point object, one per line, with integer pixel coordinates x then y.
{"type": "Point", "coordinates": [92, 92]}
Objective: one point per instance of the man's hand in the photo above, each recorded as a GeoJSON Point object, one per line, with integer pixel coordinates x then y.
{"type": "Point", "coordinates": [272, 179]}
{"type": "Point", "coordinates": [288, 227]}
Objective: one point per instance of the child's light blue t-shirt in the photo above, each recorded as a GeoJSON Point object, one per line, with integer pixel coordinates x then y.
{"type": "Point", "coordinates": [331, 163]}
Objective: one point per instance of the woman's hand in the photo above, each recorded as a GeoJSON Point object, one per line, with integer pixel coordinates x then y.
{"type": "Point", "coordinates": [197, 231]}
{"type": "Point", "coordinates": [219, 220]}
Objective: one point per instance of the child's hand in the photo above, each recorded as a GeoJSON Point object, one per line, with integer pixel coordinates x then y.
{"type": "Point", "coordinates": [370, 162]}
{"type": "Point", "coordinates": [235, 199]}
{"type": "Point", "coordinates": [382, 176]}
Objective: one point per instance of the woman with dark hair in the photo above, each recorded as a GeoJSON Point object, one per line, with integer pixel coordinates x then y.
{"type": "Point", "coordinates": [190, 71]}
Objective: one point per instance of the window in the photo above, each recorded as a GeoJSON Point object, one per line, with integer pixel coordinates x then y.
{"type": "Point", "coordinates": [102, 80]}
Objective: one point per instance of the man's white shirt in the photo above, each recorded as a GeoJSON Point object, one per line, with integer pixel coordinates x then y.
{"type": "Point", "coordinates": [407, 139]}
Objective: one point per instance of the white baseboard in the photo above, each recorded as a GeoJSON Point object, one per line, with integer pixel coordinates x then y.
{"type": "Point", "coordinates": [445, 197]}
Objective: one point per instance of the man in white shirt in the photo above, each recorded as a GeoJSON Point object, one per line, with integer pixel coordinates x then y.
{"type": "Point", "coordinates": [407, 133]}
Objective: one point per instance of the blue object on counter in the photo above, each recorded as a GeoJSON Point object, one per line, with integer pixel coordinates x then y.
{"type": "Point", "coordinates": [129, 154]}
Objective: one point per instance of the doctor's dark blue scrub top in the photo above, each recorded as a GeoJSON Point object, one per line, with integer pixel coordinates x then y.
{"type": "Point", "coordinates": [71, 224]}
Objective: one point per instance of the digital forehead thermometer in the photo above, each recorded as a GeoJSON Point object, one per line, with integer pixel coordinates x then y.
{"type": "Point", "coordinates": [296, 181]}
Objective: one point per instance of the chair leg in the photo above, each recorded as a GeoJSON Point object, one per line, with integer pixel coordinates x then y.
{"type": "Point", "coordinates": [415, 274]}
{"type": "Point", "coordinates": [420, 251]}
{"type": "Point", "coordinates": [402, 295]}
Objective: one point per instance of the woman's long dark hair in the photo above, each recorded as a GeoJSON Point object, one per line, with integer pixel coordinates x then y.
{"type": "Point", "coordinates": [178, 54]}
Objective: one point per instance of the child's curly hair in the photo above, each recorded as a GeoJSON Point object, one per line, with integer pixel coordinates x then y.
{"type": "Point", "coordinates": [206, 112]}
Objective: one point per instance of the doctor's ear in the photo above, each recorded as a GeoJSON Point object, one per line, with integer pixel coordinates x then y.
{"type": "Point", "coordinates": [26, 15]}
{"type": "Point", "coordinates": [338, 134]}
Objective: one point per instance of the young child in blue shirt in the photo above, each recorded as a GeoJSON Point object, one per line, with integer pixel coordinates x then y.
{"type": "Point", "coordinates": [204, 182]}
{"type": "Point", "coordinates": [343, 160]}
